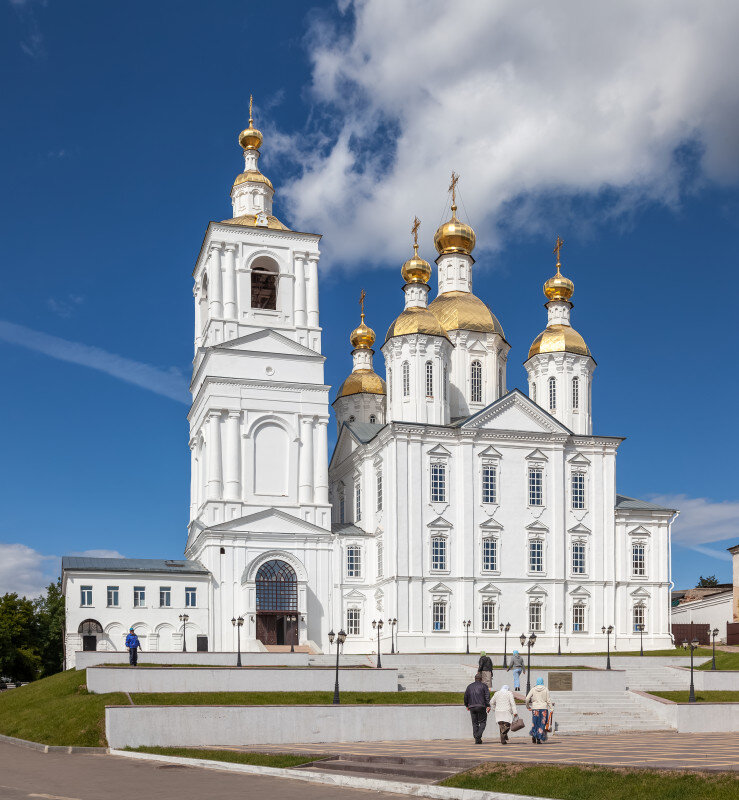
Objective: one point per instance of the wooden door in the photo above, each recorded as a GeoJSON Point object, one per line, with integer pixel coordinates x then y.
{"type": "Point", "coordinates": [267, 628]}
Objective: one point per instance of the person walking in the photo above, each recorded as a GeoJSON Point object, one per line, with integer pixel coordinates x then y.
{"type": "Point", "coordinates": [518, 667]}
{"type": "Point", "coordinates": [134, 645]}
{"type": "Point", "coordinates": [477, 702]}
{"type": "Point", "coordinates": [540, 702]}
{"type": "Point", "coordinates": [504, 705]}
{"type": "Point", "coordinates": [485, 668]}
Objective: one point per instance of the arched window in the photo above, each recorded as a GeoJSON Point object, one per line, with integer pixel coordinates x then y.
{"type": "Point", "coordinates": [444, 384]}
{"type": "Point", "coordinates": [277, 587]}
{"type": "Point", "coordinates": [575, 393]}
{"type": "Point", "coordinates": [389, 385]}
{"type": "Point", "coordinates": [500, 382]}
{"type": "Point", "coordinates": [264, 284]}
{"type": "Point", "coordinates": [351, 419]}
{"type": "Point", "coordinates": [429, 379]}
{"type": "Point", "coordinates": [552, 394]}
{"type": "Point", "coordinates": [533, 392]}
{"type": "Point", "coordinates": [373, 419]}
{"type": "Point", "coordinates": [476, 382]}
{"type": "Point", "coordinates": [406, 379]}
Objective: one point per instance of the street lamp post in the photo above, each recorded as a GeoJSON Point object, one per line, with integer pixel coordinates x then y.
{"type": "Point", "coordinates": [640, 628]}
{"type": "Point", "coordinates": [531, 642]}
{"type": "Point", "coordinates": [339, 641]}
{"type": "Point", "coordinates": [466, 626]}
{"type": "Point", "coordinates": [183, 620]}
{"type": "Point", "coordinates": [291, 618]}
{"type": "Point", "coordinates": [392, 623]}
{"type": "Point", "coordinates": [693, 645]}
{"type": "Point", "coordinates": [237, 623]}
{"type": "Point", "coordinates": [504, 630]}
{"type": "Point", "coordinates": [558, 626]}
{"type": "Point", "coordinates": [378, 625]}
{"type": "Point", "coordinates": [714, 634]}
{"type": "Point", "coordinates": [608, 631]}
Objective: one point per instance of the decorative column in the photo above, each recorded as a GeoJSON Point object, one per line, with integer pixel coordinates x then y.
{"type": "Point", "coordinates": [215, 474]}
{"type": "Point", "coordinates": [312, 300]}
{"type": "Point", "coordinates": [193, 479]}
{"type": "Point", "coordinates": [321, 445]}
{"type": "Point", "coordinates": [301, 318]}
{"type": "Point", "coordinates": [215, 282]}
{"type": "Point", "coordinates": [198, 316]}
{"type": "Point", "coordinates": [229, 286]}
{"type": "Point", "coordinates": [232, 457]}
{"type": "Point", "coordinates": [306, 460]}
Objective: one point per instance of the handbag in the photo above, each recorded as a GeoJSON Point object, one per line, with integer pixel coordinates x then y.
{"type": "Point", "coordinates": [517, 723]}
{"type": "Point", "coordinates": [550, 722]}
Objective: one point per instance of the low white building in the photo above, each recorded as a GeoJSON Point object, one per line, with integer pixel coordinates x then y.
{"type": "Point", "coordinates": [713, 608]}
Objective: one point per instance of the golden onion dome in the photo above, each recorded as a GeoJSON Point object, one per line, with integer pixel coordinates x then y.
{"type": "Point", "coordinates": [415, 269]}
{"type": "Point", "coordinates": [457, 310]}
{"type": "Point", "coordinates": [416, 320]}
{"type": "Point", "coordinates": [362, 337]}
{"type": "Point", "coordinates": [362, 380]}
{"type": "Point", "coordinates": [250, 138]}
{"type": "Point", "coordinates": [250, 220]}
{"type": "Point", "coordinates": [454, 236]}
{"type": "Point", "coordinates": [253, 176]}
{"type": "Point", "coordinates": [559, 339]}
{"type": "Point", "coordinates": [558, 287]}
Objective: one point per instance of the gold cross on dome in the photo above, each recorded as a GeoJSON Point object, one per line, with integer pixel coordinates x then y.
{"type": "Point", "coordinates": [251, 101]}
{"type": "Point", "coordinates": [414, 230]}
{"type": "Point", "coordinates": [557, 248]}
{"type": "Point", "coordinates": [453, 187]}
{"type": "Point", "coordinates": [362, 295]}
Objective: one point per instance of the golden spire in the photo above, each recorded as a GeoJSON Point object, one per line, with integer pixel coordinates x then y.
{"type": "Point", "coordinates": [362, 337]}
{"type": "Point", "coordinates": [415, 269]}
{"type": "Point", "coordinates": [558, 287]}
{"type": "Point", "coordinates": [454, 236]}
{"type": "Point", "coordinates": [250, 138]}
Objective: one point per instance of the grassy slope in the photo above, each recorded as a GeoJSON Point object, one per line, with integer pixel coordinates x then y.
{"type": "Point", "coordinates": [701, 697]}
{"type": "Point", "coordinates": [281, 760]}
{"type": "Point", "coordinates": [57, 710]}
{"type": "Point", "coordinates": [723, 661]}
{"type": "Point", "coordinates": [296, 698]}
{"type": "Point", "coordinates": [593, 783]}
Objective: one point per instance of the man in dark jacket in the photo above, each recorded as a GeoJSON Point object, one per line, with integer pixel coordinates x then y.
{"type": "Point", "coordinates": [485, 668]}
{"type": "Point", "coordinates": [134, 645]}
{"type": "Point", "coordinates": [477, 702]}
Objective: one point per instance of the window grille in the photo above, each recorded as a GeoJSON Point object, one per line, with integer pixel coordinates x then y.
{"type": "Point", "coordinates": [429, 379]}
{"type": "Point", "coordinates": [575, 393]}
{"type": "Point", "coordinates": [490, 555]}
{"type": "Point", "coordinates": [85, 595]}
{"type": "Point", "coordinates": [489, 483]}
{"type": "Point", "coordinates": [438, 483]}
{"type": "Point", "coordinates": [277, 587]}
{"type": "Point", "coordinates": [191, 597]}
{"type": "Point", "coordinates": [352, 621]}
{"type": "Point", "coordinates": [353, 561]}
{"type": "Point", "coordinates": [379, 491]}
{"type": "Point", "coordinates": [578, 618]}
{"type": "Point", "coordinates": [438, 552]}
{"type": "Point", "coordinates": [535, 615]}
{"type": "Point", "coordinates": [165, 596]}
{"type": "Point", "coordinates": [406, 379]}
{"type": "Point", "coordinates": [488, 615]}
{"type": "Point", "coordinates": [536, 486]}
{"type": "Point", "coordinates": [552, 394]}
{"type": "Point", "coordinates": [139, 596]}
{"type": "Point", "coordinates": [439, 615]}
{"type": "Point", "coordinates": [578, 558]}
{"type": "Point", "coordinates": [640, 617]}
{"type": "Point", "coordinates": [536, 555]}
{"type": "Point", "coordinates": [113, 597]}
{"type": "Point", "coordinates": [476, 382]}
{"type": "Point", "coordinates": [638, 559]}
{"type": "Point", "coordinates": [578, 490]}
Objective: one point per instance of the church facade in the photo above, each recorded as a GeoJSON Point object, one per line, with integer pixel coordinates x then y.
{"type": "Point", "coordinates": [450, 509]}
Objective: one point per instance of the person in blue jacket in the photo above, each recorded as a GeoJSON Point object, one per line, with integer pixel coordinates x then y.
{"type": "Point", "coordinates": [134, 645]}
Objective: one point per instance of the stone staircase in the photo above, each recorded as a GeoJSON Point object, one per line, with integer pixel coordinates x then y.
{"type": "Point", "coordinates": [435, 677]}
{"type": "Point", "coordinates": [414, 769]}
{"type": "Point", "coordinates": [600, 713]}
{"type": "Point", "coordinates": [656, 678]}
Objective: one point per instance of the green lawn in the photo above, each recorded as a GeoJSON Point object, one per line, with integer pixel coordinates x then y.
{"type": "Point", "coordinates": [701, 697]}
{"type": "Point", "coordinates": [280, 760]}
{"type": "Point", "coordinates": [57, 710]}
{"type": "Point", "coordinates": [723, 661]}
{"type": "Point", "coordinates": [595, 783]}
{"type": "Point", "coordinates": [296, 698]}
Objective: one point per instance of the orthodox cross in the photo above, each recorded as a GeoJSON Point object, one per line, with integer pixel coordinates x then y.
{"type": "Point", "coordinates": [251, 101]}
{"type": "Point", "coordinates": [557, 248]}
{"type": "Point", "coordinates": [362, 295]}
{"type": "Point", "coordinates": [414, 231]}
{"type": "Point", "coordinates": [453, 187]}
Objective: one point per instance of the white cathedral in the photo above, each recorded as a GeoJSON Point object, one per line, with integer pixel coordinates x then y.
{"type": "Point", "coordinates": [450, 507]}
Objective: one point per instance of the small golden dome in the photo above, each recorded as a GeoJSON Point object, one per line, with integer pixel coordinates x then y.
{"type": "Point", "coordinates": [457, 310]}
{"type": "Point", "coordinates": [362, 380]}
{"type": "Point", "coordinates": [454, 236]}
{"type": "Point", "coordinates": [559, 339]}
{"type": "Point", "coordinates": [416, 320]}
{"type": "Point", "coordinates": [558, 287]}
{"type": "Point", "coordinates": [253, 176]}
{"type": "Point", "coordinates": [362, 337]}
{"type": "Point", "coordinates": [415, 269]}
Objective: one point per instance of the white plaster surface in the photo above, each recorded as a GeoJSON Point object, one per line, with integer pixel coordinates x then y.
{"type": "Point", "coordinates": [90, 659]}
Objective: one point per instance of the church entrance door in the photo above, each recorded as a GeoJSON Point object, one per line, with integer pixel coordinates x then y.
{"type": "Point", "coordinates": [277, 603]}
{"type": "Point", "coordinates": [91, 631]}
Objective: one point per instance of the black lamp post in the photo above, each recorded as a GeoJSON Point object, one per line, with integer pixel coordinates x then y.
{"type": "Point", "coordinates": [608, 631]}
{"type": "Point", "coordinates": [558, 626]}
{"type": "Point", "coordinates": [466, 626]}
{"type": "Point", "coordinates": [183, 620]}
{"type": "Point", "coordinates": [237, 623]}
{"type": "Point", "coordinates": [392, 623]}
{"type": "Point", "coordinates": [531, 642]}
{"type": "Point", "coordinates": [339, 641]}
{"type": "Point", "coordinates": [378, 625]}
{"type": "Point", "coordinates": [291, 618]}
{"type": "Point", "coordinates": [504, 630]}
{"type": "Point", "coordinates": [714, 634]}
{"type": "Point", "coordinates": [640, 628]}
{"type": "Point", "coordinates": [693, 645]}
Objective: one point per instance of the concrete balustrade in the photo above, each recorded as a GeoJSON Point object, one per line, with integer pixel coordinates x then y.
{"type": "Point", "coordinates": [709, 680]}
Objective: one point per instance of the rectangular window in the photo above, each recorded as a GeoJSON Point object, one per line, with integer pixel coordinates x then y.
{"type": "Point", "coordinates": [380, 559]}
{"type": "Point", "coordinates": [379, 491]}
{"type": "Point", "coordinates": [490, 555]}
{"type": "Point", "coordinates": [438, 552]}
{"type": "Point", "coordinates": [578, 618]}
{"type": "Point", "coordinates": [357, 502]}
{"type": "Point", "coordinates": [165, 596]}
{"type": "Point", "coordinates": [444, 383]}
{"type": "Point", "coordinates": [439, 615]}
{"type": "Point", "coordinates": [438, 483]}
{"type": "Point", "coordinates": [640, 617]}
{"type": "Point", "coordinates": [638, 560]}
{"type": "Point", "coordinates": [191, 597]}
{"type": "Point", "coordinates": [535, 616]}
{"type": "Point", "coordinates": [353, 562]}
{"type": "Point", "coordinates": [488, 615]}
{"type": "Point", "coordinates": [489, 483]}
{"type": "Point", "coordinates": [575, 393]}
{"type": "Point", "coordinates": [406, 371]}
{"type": "Point", "coordinates": [578, 490]}
{"type": "Point", "coordinates": [139, 597]}
{"type": "Point", "coordinates": [536, 486]}
{"type": "Point", "coordinates": [476, 382]}
{"type": "Point", "coordinates": [112, 597]}
{"type": "Point", "coordinates": [578, 558]}
{"type": "Point", "coordinates": [536, 555]}
{"type": "Point", "coordinates": [429, 379]}
{"type": "Point", "coordinates": [85, 595]}
{"type": "Point", "coordinates": [352, 622]}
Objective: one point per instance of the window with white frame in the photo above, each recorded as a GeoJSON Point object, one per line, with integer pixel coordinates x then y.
{"type": "Point", "coordinates": [489, 483]}
{"type": "Point", "coordinates": [191, 597]}
{"type": "Point", "coordinates": [535, 615]}
{"type": "Point", "coordinates": [578, 617]}
{"type": "Point", "coordinates": [578, 558]}
{"type": "Point", "coordinates": [165, 596]}
{"type": "Point", "coordinates": [490, 554]}
{"type": "Point", "coordinates": [352, 621]}
{"type": "Point", "coordinates": [353, 561]}
{"type": "Point", "coordinates": [536, 486]}
{"type": "Point", "coordinates": [429, 379]}
{"type": "Point", "coordinates": [578, 490]}
{"type": "Point", "coordinates": [139, 596]}
{"type": "Point", "coordinates": [379, 490]}
{"type": "Point", "coordinates": [638, 559]}
{"type": "Point", "coordinates": [389, 384]}
{"type": "Point", "coordinates": [552, 394]}
{"type": "Point", "coordinates": [438, 482]}
{"type": "Point", "coordinates": [536, 555]}
{"type": "Point", "coordinates": [488, 615]}
{"type": "Point", "coordinates": [380, 559]}
{"type": "Point", "coordinates": [406, 372]}
{"type": "Point", "coordinates": [476, 382]}
{"type": "Point", "coordinates": [438, 552]}
{"type": "Point", "coordinates": [373, 419]}
{"type": "Point", "coordinates": [85, 595]}
{"type": "Point", "coordinates": [357, 501]}
{"type": "Point", "coordinates": [640, 617]}
{"type": "Point", "coordinates": [113, 597]}
{"type": "Point", "coordinates": [575, 393]}
{"type": "Point", "coordinates": [439, 615]}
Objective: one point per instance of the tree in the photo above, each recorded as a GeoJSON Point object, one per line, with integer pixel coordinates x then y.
{"type": "Point", "coordinates": [19, 657]}
{"type": "Point", "coordinates": [708, 583]}
{"type": "Point", "coordinates": [49, 610]}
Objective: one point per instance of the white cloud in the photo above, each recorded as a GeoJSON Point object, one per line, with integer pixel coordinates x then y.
{"type": "Point", "coordinates": [701, 520]}
{"type": "Point", "coordinates": [535, 105]}
{"type": "Point", "coordinates": [25, 570]}
{"type": "Point", "coordinates": [722, 555]}
{"type": "Point", "coordinates": [97, 553]}
{"type": "Point", "coordinates": [65, 307]}
{"type": "Point", "coordinates": [169, 383]}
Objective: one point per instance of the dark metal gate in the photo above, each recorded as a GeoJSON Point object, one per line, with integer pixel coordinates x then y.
{"type": "Point", "coordinates": [689, 631]}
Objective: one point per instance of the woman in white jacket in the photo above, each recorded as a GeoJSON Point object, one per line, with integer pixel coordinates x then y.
{"type": "Point", "coordinates": [540, 702]}
{"type": "Point", "coordinates": [504, 705]}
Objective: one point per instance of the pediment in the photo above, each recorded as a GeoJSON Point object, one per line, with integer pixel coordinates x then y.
{"type": "Point", "coordinates": [489, 588]}
{"type": "Point", "coordinates": [439, 522]}
{"type": "Point", "coordinates": [269, 342]}
{"type": "Point", "coordinates": [640, 592]}
{"type": "Point", "coordinates": [580, 591]}
{"type": "Point", "coordinates": [536, 589]}
{"type": "Point", "coordinates": [491, 525]}
{"type": "Point", "coordinates": [516, 412]}
{"type": "Point", "coordinates": [536, 455]}
{"type": "Point", "coordinates": [439, 450]}
{"type": "Point", "coordinates": [345, 446]}
{"type": "Point", "coordinates": [270, 520]}
{"type": "Point", "coordinates": [490, 452]}
{"type": "Point", "coordinates": [537, 527]}
{"type": "Point", "coordinates": [440, 588]}
{"type": "Point", "coordinates": [579, 529]}
{"type": "Point", "coordinates": [640, 531]}
{"type": "Point", "coordinates": [578, 458]}
{"type": "Point", "coordinates": [355, 596]}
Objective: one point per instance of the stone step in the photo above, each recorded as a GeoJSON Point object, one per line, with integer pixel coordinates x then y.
{"type": "Point", "coordinates": [387, 770]}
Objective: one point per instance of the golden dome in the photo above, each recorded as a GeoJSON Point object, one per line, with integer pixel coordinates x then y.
{"type": "Point", "coordinates": [415, 269]}
{"type": "Point", "coordinates": [463, 311]}
{"type": "Point", "coordinates": [362, 337]}
{"type": "Point", "coordinates": [454, 236]}
{"type": "Point", "coordinates": [253, 176]}
{"type": "Point", "coordinates": [416, 320]}
{"type": "Point", "coordinates": [250, 220]}
{"type": "Point", "coordinates": [250, 138]}
{"type": "Point", "coordinates": [559, 339]}
{"type": "Point", "coordinates": [558, 287]}
{"type": "Point", "coordinates": [362, 380]}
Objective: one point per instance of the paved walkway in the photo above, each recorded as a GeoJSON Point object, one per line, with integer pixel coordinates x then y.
{"type": "Point", "coordinates": [692, 751]}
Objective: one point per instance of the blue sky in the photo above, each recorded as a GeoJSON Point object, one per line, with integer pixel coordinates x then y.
{"type": "Point", "coordinates": [118, 144]}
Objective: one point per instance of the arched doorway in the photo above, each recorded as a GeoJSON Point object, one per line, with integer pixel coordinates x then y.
{"type": "Point", "coordinates": [91, 632]}
{"type": "Point", "coordinates": [277, 603]}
